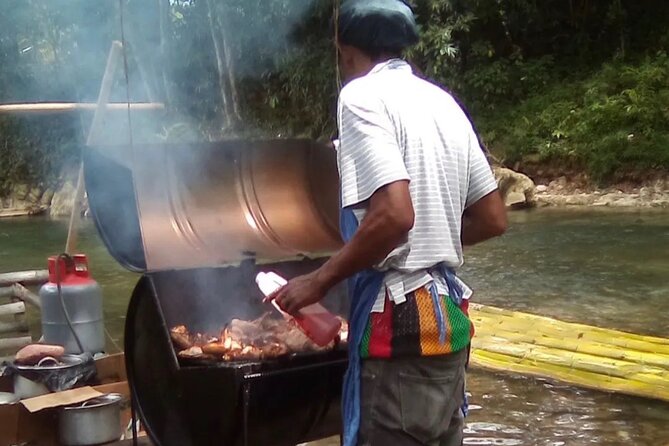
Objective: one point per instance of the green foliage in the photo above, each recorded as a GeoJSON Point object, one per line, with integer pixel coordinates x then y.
{"type": "Point", "coordinates": [33, 150]}
{"type": "Point", "coordinates": [612, 122]}
{"type": "Point", "coordinates": [561, 81]}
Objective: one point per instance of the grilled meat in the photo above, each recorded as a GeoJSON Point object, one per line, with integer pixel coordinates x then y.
{"type": "Point", "coordinates": [181, 337]}
{"type": "Point", "coordinates": [262, 338]}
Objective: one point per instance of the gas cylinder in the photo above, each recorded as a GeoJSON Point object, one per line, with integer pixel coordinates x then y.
{"type": "Point", "coordinates": [81, 297]}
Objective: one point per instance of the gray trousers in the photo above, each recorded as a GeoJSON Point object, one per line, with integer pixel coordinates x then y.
{"type": "Point", "coordinates": [413, 401]}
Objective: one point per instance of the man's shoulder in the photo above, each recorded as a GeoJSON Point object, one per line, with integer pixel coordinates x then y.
{"type": "Point", "coordinates": [361, 91]}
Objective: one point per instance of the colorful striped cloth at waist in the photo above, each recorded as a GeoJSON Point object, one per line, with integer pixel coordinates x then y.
{"type": "Point", "coordinates": [411, 328]}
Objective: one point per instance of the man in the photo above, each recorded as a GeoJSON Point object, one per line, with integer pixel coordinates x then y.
{"type": "Point", "coordinates": [415, 187]}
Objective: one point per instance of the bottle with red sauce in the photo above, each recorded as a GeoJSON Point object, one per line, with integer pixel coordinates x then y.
{"type": "Point", "coordinates": [315, 320]}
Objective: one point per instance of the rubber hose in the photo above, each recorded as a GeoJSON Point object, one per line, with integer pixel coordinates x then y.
{"type": "Point", "coordinates": [67, 259]}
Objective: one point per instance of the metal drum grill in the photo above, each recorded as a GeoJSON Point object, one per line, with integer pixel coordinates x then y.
{"type": "Point", "coordinates": [183, 215]}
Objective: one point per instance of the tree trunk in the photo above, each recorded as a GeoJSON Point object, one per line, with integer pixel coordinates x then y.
{"type": "Point", "coordinates": [164, 13]}
{"type": "Point", "coordinates": [220, 66]}
{"type": "Point", "coordinates": [227, 50]}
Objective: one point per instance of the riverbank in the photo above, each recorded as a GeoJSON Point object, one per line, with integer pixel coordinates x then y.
{"type": "Point", "coordinates": [522, 191]}
{"type": "Point", "coordinates": [518, 190]}
{"type": "Point", "coordinates": [561, 192]}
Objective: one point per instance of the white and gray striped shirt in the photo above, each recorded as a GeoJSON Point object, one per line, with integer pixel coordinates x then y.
{"type": "Point", "coordinates": [395, 126]}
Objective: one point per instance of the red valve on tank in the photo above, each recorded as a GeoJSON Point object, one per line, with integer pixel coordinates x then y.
{"type": "Point", "coordinates": [72, 271]}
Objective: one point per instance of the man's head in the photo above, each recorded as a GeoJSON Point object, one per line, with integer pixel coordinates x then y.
{"type": "Point", "coordinates": [371, 31]}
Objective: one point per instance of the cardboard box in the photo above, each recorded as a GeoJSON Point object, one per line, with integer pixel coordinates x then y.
{"type": "Point", "coordinates": [111, 369]}
{"type": "Point", "coordinates": [19, 426]}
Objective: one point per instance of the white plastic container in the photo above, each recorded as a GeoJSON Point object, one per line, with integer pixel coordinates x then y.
{"type": "Point", "coordinates": [315, 320]}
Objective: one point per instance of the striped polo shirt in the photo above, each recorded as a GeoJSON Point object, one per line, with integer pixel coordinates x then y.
{"type": "Point", "coordinates": [395, 126]}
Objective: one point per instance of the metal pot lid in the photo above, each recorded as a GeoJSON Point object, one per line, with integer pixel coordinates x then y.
{"type": "Point", "coordinates": [8, 398]}
{"type": "Point", "coordinates": [51, 364]}
{"type": "Point", "coordinates": [100, 401]}
{"type": "Point", "coordinates": [161, 207]}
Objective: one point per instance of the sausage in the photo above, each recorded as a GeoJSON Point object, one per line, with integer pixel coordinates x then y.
{"type": "Point", "coordinates": [34, 353]}
{"type": "Point", "coordinates": [215, 348]}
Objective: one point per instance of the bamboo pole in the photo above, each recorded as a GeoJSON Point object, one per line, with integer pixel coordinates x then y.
{"type": "Point", "coordinates": [24, 294]}
{"type": "Point", "coordinates": [103, 98]}
{"type": "Point", "coordinates": [36, 277]}
{"type": "Point", "coordinates": [13, 327]}
{"type": "Point", "coordinates": [578, 354]}
{"type": "Point", "coordinates": [484, 310]}
{"type": "Point", "coordinates": [63, 107]}
{"type": "Point", "coordinates": [580, 378]}
{"type": "Point", "coordinates": [12, 309]}
{"type": "Point", "coordinates": [15, 343]}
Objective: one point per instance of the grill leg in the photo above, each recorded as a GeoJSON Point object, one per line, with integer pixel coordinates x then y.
{"type": "Point", "coordinates": [133, 416]}
{"type": "Point", "coordinates": [246, 389]}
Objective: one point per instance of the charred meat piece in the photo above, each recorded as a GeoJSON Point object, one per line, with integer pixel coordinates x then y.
{"type": "Point", "coordinates": [263, 338]}
{"type": "Point", "coordinates": [195, 353]}
{"type": "Point", "coordinates": [244, 329]}
{"type": "Point", "coordinates": [181, 337]}
{"type": "Point", "coordinates": [274, 350]}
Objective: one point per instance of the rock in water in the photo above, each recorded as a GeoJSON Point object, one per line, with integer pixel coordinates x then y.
{"type": "Point", "coordinates": [63, 200]}
{"type": "Point", "coordinates": [516, 188]}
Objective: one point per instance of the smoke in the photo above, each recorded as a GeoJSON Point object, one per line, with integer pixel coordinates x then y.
{"type": "Point", "coordinates": [196, 57]}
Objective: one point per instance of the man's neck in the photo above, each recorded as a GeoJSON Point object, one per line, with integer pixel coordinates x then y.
{"type": "Point", "coordinates": [367, 65]}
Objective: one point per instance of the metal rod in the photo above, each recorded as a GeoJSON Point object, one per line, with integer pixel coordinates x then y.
{"type": "Point", "coordinates": [133, 415]}
{"type": "Point", "coordinates": [96, 124]}
{"type": "Point", "coordinates": [247, 396]}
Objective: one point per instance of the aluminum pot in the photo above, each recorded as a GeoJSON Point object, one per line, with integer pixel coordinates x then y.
{"type": "Point", "coordinates": [96, 421]}
{"type": "Point", "coordinates": [29, 388]}
{"type": "Point", "coordinates": [8, 398]}
{"type": "Point", "coordinates": [25, 388]}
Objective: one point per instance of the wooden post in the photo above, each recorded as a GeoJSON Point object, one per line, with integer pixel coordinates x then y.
{"type": "Point", "coordinates": [36, 277]}
{"type": "Point", "coordinates": [22, 293]}
{"type": "Point", "coordinates": [103, 99]}
{"type": "Point", "coordinates": [15, 343]}
{"type": "Point", "coordinates": [26, 295]}
{"type": "Point", "coordinates": [13, 308]}
{"type": "Point", "coordinates": [13, 327]}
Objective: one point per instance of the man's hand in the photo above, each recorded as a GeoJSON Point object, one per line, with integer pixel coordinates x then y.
{"type": "Point", "coordinates": [389, 218]}
{"type": "Point", "coordinates": [298, 293]}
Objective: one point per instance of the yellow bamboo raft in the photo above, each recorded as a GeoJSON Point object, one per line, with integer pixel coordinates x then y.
{"type": "Point", "coordinates": [585, 356]}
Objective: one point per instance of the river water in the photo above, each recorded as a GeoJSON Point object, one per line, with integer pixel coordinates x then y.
{"type": "Point", "coordinates": [605, 268]}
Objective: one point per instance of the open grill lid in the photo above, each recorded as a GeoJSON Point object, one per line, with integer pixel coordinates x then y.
{"type": "Point", "coordinates": [168, 206]}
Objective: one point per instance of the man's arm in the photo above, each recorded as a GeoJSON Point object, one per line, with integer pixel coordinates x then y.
{"type": "Point", "coordinates": [484, 219]}
{"type": "Point", "coordinates": [389, 218]}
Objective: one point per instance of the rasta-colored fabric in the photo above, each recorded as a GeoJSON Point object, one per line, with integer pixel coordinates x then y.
{"type": "Point", "coordinates": [377, 25]}
{"type": "Point", "coordinates": [411, 329]}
